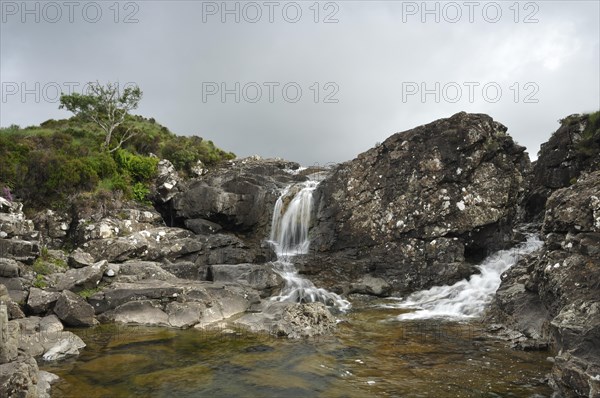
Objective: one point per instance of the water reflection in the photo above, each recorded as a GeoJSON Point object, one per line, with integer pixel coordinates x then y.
{"type": "Point", "coordinates": [368, 356]}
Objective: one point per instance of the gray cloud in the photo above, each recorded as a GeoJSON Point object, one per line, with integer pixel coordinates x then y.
{"type": "Point", "coordinates": [369, 56]}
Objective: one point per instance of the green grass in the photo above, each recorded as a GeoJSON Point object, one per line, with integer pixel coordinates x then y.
{"type": "Point", "coordinates": [87, 293]}
{"type": "Point", "coordinates": [39, 282]}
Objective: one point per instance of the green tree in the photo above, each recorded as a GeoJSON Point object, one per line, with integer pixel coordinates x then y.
{"type": "Point", "coordinates": [106, 107]}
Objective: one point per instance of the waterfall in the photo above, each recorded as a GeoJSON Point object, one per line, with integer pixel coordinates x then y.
{"type": "Point", "coordinates": [289, 228]}
{"type": "Point", "coordinates": [466, 298]}
{"type": "Point", "coordinates": [289, 236]}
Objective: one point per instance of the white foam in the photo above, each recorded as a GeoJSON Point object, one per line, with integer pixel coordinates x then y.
{"type": "Point", "coordinates": [466, 298]}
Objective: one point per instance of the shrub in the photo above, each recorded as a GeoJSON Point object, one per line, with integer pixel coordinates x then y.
{"type": "Point", "coordinates": [39, 282]}
{"type": "Point", "coordinates": [141, 168]}
{"type": "Point", "coordinates": [140, 192]}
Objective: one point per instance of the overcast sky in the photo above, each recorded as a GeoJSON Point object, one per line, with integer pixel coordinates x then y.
{"type": "Point", "coordinates": [315, 82]}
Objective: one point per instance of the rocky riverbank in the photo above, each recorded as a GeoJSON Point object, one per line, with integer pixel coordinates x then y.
{"type": "Point", "coordinates": [421, 209]}
{"type": "Point", "coordinates": [551, 299]}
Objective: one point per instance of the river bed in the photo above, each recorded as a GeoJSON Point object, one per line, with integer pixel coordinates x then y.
{"type": "Point", "coordinates": [372, 354]}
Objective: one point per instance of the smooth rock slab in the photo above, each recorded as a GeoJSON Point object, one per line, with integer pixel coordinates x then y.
{"type": "Point", "coordinates": [142, 313]}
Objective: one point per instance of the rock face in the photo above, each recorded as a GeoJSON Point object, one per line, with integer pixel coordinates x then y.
{"type": "Point", "coordinates": [419, 208]}
{"type": "Point", "coordinates": [553, 297]}
{"type": "Point", "coordinates": [560, 162]}
{"type": "Point", "coordinates": [238, 197]}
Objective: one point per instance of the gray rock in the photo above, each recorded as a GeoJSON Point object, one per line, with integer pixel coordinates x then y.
{"type": "Point", "coordinates": [261, 277]}
{"type": "Point", "coordinates": [8, 337]}
{"type": "Point", "coordinates": [15, 225]}
{"type": "Point", "coordinates": [13, 309]}
{"type": "Point", "coordinates": [167, 182]}
{"type": "Point", "coordinates": [120, 293]}
{"type": "Point", "coordinates": [290, 320]}
{"type": "Point", "coordinates": [551, 297]}
{"type": "Point", "coordinates": [176, 303]}
{"type": "Point", "coordinates": [186, 270]}
{"type": "Point", "coordinates": [202, 227]}
{"type": "Point", "coordinates": [561, 161]}
{"type": "Point", "coordinates": [79, 259]}
{"type": "Point", "coordinates": [78, 279]}
{"type": "Point", "coordinates": [20, 250]}
{"type": "Point", "coordinates": [9, 268]}
{"type": "Point", "coordinates": [133, 271]}
{"type": "Point", "coordinates": [371, 285]}
{"type": "Point", "coordinates": [41, 301]}
{"type": "Point", "coordinates": [54, 226]}
{"type": "Point", "coordinates": [74, 310]}
{"type": "Point", "coordinates": [141, 312]}
{"type": "Point", "coordinates": [17, 291]}
{"type": "Point", "coordinates": [45, 381]}
{"type": "Point", "coordinates": [19, 379]}
{"type": "Point", "coordinates": [150, 245]}
{"type": "Point", "coordinates": [37, 335]}
{"type": "Point", "coordinates": [239, 196]}
{"type": "Point", "coordinates": [64, 348]}
{"type": "Point", "coordinates": [185, 315]}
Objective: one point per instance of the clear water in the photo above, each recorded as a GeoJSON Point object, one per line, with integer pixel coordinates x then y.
{"type": "Point", "coordinates": [370, 355]}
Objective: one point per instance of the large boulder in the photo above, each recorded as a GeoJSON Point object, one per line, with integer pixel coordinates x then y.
{"type": "Point", "coordinates": [73, 310]}
{"type": "Point", "coordinates": [553, 297]}
{"type": "Point", "coordinates": [420, 208]}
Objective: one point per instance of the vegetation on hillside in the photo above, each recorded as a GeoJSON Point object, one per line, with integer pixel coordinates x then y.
{"type": "Point", "coordinates": [589, 144]}
{"type": "Point", "coordinates": [47, 165]}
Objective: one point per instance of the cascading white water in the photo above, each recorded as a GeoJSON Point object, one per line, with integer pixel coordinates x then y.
{"type": "Point", "coordinates": [466, 298]}
{"type": "Point", "coordinates": [289, 236]}
{"type": "Point", "coordinates": [289, 228]}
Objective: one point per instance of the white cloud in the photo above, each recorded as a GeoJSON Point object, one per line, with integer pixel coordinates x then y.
{"type": "Point", "coordinates": [369, 55]}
